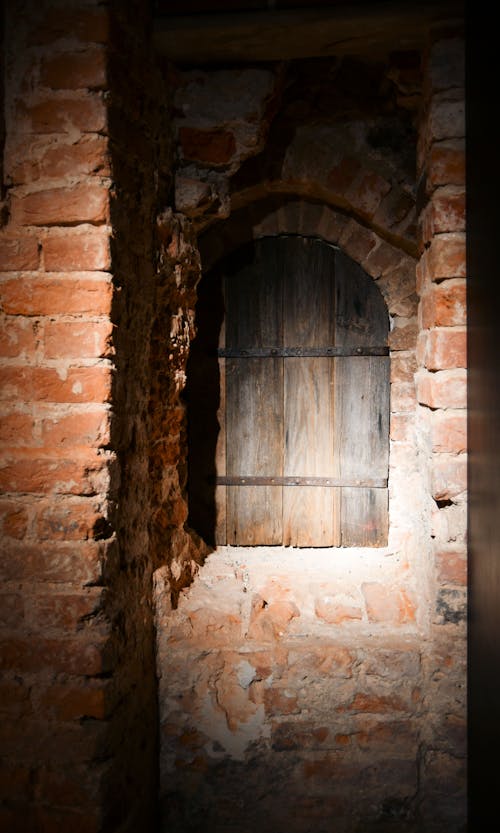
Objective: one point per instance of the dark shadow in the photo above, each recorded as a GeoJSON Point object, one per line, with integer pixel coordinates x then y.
{"type": "Point", "coordinates": [202, 395]}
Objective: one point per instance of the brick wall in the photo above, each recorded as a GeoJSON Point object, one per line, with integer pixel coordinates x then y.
{"type": "Point", "coordinates": [310, 687]}
{"type": "Point", "coordinates": [313, 686]}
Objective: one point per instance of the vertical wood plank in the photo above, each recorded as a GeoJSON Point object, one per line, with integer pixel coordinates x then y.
{"type": "Point", "coordinates": [254, 400]}
{"type": "Point", "coordinates": [220, 451]}
{"type": "Point", "coordinates": [362, 405]}
{"type": "Point", "coordinates": [308, 320]}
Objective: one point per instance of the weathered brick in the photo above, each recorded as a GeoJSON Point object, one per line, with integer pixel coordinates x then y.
{"type": "Point", "coordinates": [17, 429]}
{"type": "Point", "coordinates": [451, 567]}
{"type": "Point", "coordinates": [336, 612]}
{"type": "Point", "coordinates": [449, 431]}
{"type": "Point", "coordinates": [86, 24]}
{"type": "Point", "coordinates": [357, 241]}
{"type": "Point", "coordinates": [449, 476]}
{"type": "Point", "coordinates": [444, 304]}
{"type": "Point", "coordinates": [15, 783]}
{"type": "Point", "coordinates": [89, 250]}
{"type": "Point", "coordinates": [75, 70]}
{"type": "Point", "coordinates": [444, 389]}
{"type": "Point", "coordinates": [367, 192]}
{"type": "Point", "coordinates": [11, 610]}
{"type": "Point", "coordinates": [403, 336]}
{"type": "Point", "coordinates": [388, 604]}
{"type": "Point", "coordinates": [446, 64]}
{"type": "Point", "coordinates": [14, 519]}
{"type": "Point", "coordinates": [445, 212]}
{"type": "Point", "coordinates": [214, 147]}
{"type": "Point", "coordinates": [280, 701]}
{"type": "Point", "coordinates": [69, 702]}
{"type": "Point", "coordinates": [61, 206]}
{"type": "Point", "coordinates": [44, 384]}
{"type": "Point", "coordinates": [446, 348]}
{"type": "Point", "coordinates": [63, 115]}
{"type": "Point", "coordinates": [87, 156]}
{"type": "Point", "coordinates": [393, 209]}
{"type": "Point", "coordinates": [18, 253]}
{"type": "Point", "coordinates": [402, 427]}
{"type": "Point", "coordinates": [67, 520]}
{"type": "Point", "coordinates": [62, 611]}
{"type": "Point", "coordinates": [52, 295]}
{"type": "Point", "coordinates": [403, 367]}
{"type": "Point", "coordinates": [77, 339]}
{"type": "Point", "coordinates": [90, 428]}
{"type": "Point", "coordinates": [377, 703]}
{"type": "Point", "coordinates": [446, 164]}
{"type": "Point", "coordinates": [270, 621]}
{"type": "Point", "coordinates": [18, 338]}
{"type": "Point", "coordinates": [446, 119]}
{"type": "Point", "coordinates": [446, 256]}
{"type": "Point", "coordinates": [35, 474]}
{"type": "Point", "coordinates": [78, 562]}
{"type": "Point", "coordinates": [70, 656]}
{"type": "Point", "coordinates": [342, 176]}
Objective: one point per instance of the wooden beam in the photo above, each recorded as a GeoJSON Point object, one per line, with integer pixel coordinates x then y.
{"type": "Point", "coordinates": [273, 35]}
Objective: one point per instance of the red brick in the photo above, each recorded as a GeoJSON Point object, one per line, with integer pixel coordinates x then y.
{"type": "Point", "coordinates": [449, 476]}
{"type": "Point", "coordinates": [377, 704]}
{"type": "Point", "coordinates": [78, 562]}
{"type": "Point", "coordinates": [63, 611]}
{"type": "Point", "coordinates": [33, 474]}
{"type": "Point", "coordinates": [367, 192]}
{"type": "Point", "coordinates": [75, 70]}
{"type": "Point", "coordinates": [451, 567]}
{"type": "Point", "coordinates": [14, 519]}
{"type": "Point", "coordinates": [445, 349]}
{"type": "Point", "coordinates": [444, 304]}
{"type": "Point", "coordinates": [18, 253]}
{"type": "Point", "coordinates": [17, 429]}
{"type": "Point", "coordinates": [18, 338]}
{"type": "Point", "coordinates": [270, 622]}
{"type": "Point", "coordinates": [63, 115]}
{"type": "Point", "coordinates": [280, 701]}
{"type": "Point", "coordinates": [84, 24]}
{"type": "Point", "coordinates": [444, 389]}
{"type": "Point", "coordinates": [70, 656]}
{"type": "Point", "coordinates": [449, 431]}
{"type": "Point", "coordinates": [82, 339]}
{"type": "Point", "coordinates": [44, 384]}
{"type": "Point", "coordinates": [446, 164]}
{"type": "Point", "coordinates": [68, 520]}
{"type": "Point", "coordinates": [77, 252]}
{"type": "Point", "coordinates": [66, 702]}
{"type": "Point", "coordinates": [335, 613]}
{"type": "Point", "coordinates": [216, 147]}
{"type": "Point", "coordinates": [52, 295]}
{"type": "Point", "coordinates": [71, 788]}
{"type": "Point", "coordinates": [446, 256]}
{"type": "Point", "coordinates": [88, 156]}
{"type": "Point", "coordinates": [383, 259]}
{"type": "Point", "coordinates": [342, 176]}
{"type": "Point", "coordinates": [446, 67]}
{"type": "Point", "coordinates": [87, 428]}
{"type": "Point", "coordinates": [388, 604]}
{"type": "Point", "coordinates": [61, 206]}
{"type": "Point", "coordinates": [402, 427]}
{"type": "Point", "coordinates": [357, 241]}
{"type": "Point", "coordinates": [403, 368]}
{"type": "Point", "coordinates": [444, 213]}
{"type": "Point", "coordinates": [446, 119]}
{"type": "Point", "coordinates": [395, 206]}
{"type": "Point", "coordinates": [15, 783]}
{"type": "Point", "coordinates": [404, 335]}
{"type": "Point", "coordinates": [14, 698]}
{"type": "Point", "coordinates": [11, 610]}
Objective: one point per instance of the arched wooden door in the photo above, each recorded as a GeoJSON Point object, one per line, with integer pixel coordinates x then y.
{"type": "Point", "coordinates": [302, 455]}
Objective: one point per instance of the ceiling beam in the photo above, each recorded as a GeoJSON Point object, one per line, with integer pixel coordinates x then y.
{"type": "Point", "coordinates": [274, 35]}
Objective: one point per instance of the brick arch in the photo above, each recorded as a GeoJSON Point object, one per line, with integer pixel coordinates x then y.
{"type": "Point", "coordinates": [392, 268]}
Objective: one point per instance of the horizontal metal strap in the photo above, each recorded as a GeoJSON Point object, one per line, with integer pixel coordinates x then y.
{"type": "Point", "coordinates": [256, 480]}
{"type": "Point", "coordinates": [299, 352]}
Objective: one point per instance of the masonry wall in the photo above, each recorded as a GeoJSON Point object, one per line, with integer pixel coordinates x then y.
{"type": "Point", "coordinates": [298, 687]}
{"type": "Point", "coordinates": [327, 687]}
{"type": "Point", "coordinates": [88, 469]}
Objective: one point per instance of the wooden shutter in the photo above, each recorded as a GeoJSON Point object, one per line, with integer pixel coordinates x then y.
{"type": "Point", "coordinates": [302, 456]}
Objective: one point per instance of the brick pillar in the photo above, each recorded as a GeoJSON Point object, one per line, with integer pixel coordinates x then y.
{"type": "Point", "coordinates": [86, 169]}
{"type": "Point", "coordinates": [441, 392]}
